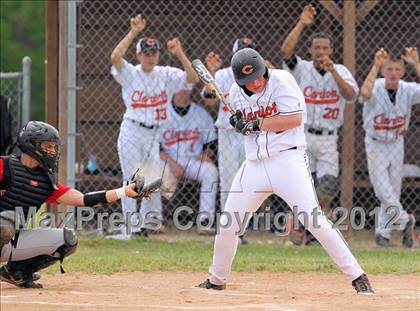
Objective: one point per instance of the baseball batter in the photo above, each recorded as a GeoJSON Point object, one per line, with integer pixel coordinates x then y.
{"type": "Point", "coordinates": [231, 152]}
{"type": "Point", "coordinates": [147, 90]}
{"type": "Point", "coordinates": [270, 113]}
{"type": "Point", "coordinates": [327, 87]}
{"type": "Point", "coordinates": [386, 116]}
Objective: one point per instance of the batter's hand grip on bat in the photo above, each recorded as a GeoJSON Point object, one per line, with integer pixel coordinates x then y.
{"type": "Point", "coordinates": [202, 71]}
{"type": "Point", "coordinates": [209, 81]}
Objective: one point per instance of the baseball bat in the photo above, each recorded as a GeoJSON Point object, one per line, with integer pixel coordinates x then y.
{"type": "Point", "coordinates": [210, 83]}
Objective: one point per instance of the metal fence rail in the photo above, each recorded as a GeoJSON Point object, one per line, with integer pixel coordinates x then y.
{"type": "Point", "coordinates": [17, 87]}
{"type": "Point", "coordinates": [358, 28]}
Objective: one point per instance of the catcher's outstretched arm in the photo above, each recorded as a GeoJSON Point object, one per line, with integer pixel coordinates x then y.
{"type": "Point", "coordinates": [135, 189]}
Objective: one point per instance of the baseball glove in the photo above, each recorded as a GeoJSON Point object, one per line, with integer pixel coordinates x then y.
{"type": "Point", "coordinates": [144, 191]}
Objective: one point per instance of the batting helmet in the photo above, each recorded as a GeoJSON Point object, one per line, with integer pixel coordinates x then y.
{"type": "Point", "coordinates": [247, 65]}
{"type": "Point", "coordinates": [29, 141]}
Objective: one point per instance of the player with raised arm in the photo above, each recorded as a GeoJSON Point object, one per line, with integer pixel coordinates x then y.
{"type": "Point", "coordinates": [327, 87]}
{"type": "Point", "coordinates": [147, 90]}
{"type": "Point", "coordinates": [387, 104]}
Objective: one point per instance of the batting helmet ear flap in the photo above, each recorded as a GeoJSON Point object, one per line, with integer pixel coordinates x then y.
{"type": "Point", "coordinates": [247, 65]}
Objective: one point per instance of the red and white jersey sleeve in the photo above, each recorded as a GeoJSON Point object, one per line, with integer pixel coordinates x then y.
{"type": "Point", "coordinates": [384, 120]}
{"type": "Point", "coordinates": [324, 103]}
{"type": "Point", "coordinates": [185, 136]}
{"type": "Point", "coordinates": [281, 96]}
{"type": "Point", "coordinates": [61, 189]}
{"type": "Point", "coordinates": [146, 95]}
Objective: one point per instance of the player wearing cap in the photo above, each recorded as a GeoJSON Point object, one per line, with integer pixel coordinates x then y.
{"type": "Point", "coordinates": [270, 113]}
{"type": "Point", "coordinates": [147, 90]}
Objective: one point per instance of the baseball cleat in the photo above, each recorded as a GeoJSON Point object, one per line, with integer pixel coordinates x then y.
{"type": "Point", "coordinates": [309, 239]}
{"type": "Point", "coordinates": [35, 276]}
{"type": "Point", "coordinates": [382, 241]}
{"type": "Point", "coordinates": [362, 285]}
{"type": "Point", "coordinates": [208, 285]}
{"type": "Point", "coordinates": [206, 231]}
{"type": "Point", "coordinates": [16, 278]}
{"type": "Point", "coordinates": [203, 228]}
{"type": "Point", "coordinates": [408, 232]}
{"type": "Point", "coordinates": [297, 237]}
{"type": "Point", "coordinates": [242, 240]}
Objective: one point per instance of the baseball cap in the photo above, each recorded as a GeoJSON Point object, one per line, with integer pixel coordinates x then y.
{"type": "Point", "coordinates": [148, 44]}
{"type": "Point", "coordinates": [241, 43]}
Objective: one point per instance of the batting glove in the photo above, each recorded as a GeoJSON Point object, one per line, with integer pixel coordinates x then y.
{"type": "Point", "coordinates": [234, 118]}
{"type": "Point", "coordinates": [242, 126]}
{"type": "Point", "coordinates": [247, 127]}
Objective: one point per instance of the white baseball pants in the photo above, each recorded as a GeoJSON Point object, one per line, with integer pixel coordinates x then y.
{"type": "Point", "coordinates": [385, 165]}
{"type": "Point", "coordinates": [288, 176]}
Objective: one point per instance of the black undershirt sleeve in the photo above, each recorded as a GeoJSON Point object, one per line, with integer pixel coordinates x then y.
{"type": "Point", "coordinates": [291, 62]}
{"type": "Point", "coordinates": [212, 145]}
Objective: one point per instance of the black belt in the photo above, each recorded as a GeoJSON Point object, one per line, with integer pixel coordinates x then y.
{"type": "Point", "coordinates": [383, 141]}
{"type": "Point", "coordinates": [150, 127]}
{"type": "Point", "coordinates": [293, 148]}
{"type": "Point", "coordinates": [320, 132]}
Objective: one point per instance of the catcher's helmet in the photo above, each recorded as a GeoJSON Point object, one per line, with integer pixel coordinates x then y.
{"type": "Point", "coordinates": [29, 141]}
{"type": "Point", "coordinates": [247, 65]}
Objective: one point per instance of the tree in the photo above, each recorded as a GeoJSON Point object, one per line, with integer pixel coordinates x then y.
{"type": "Point", "coordinates": [22, 33]}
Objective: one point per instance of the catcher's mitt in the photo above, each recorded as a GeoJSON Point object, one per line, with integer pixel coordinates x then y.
{"type": "Point", "coordinates": [144, 191]}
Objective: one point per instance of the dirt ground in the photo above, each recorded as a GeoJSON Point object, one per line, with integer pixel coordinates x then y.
{"type": "Point", "coordinates": [176, 291]}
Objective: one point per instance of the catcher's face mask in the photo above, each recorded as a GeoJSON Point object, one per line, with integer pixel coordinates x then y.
{"type": "Point", "coordinates": [41, 141]}
{"type": "Point", "coordinates": [49, 161]}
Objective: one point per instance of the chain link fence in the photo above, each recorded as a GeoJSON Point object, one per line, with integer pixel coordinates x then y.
{"type": "Point", "coordinates": [207, 26]}
{"type": "Point", "coordinates": [15, 91]}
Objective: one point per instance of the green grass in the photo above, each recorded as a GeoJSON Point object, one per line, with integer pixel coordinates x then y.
{"type": "Point", "coordinates": [108, 256]}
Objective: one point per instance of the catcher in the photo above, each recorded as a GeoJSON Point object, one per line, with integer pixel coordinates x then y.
{"type": "Point", "coordinates": [30, 180]}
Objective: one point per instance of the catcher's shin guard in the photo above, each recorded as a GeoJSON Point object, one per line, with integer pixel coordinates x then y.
{"type": "Point", "coordinates": [20, 271]}
{"type": "Point", "coordinates": [7, 228]}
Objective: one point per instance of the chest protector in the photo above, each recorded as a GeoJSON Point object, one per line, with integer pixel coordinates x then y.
{"type": "Point", "coordinates": [26, 187]}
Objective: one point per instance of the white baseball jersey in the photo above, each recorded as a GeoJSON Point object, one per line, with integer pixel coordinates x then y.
{"type": "Point", "coordinates": [146, 95]}
{"type": "Point", "coordinates": [281, 96]}
{"type": "Point", "coordinates": [224, 79]}
{"type": "Point", "coordinates": [324, 104]}
{"type": "Point", "coordinates": [384, 120]}
{"type": "Point", "coordinates": [185, 136]}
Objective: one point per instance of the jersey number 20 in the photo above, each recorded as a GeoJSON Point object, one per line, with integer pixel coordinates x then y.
{"type": "Point", "coordinates": [331, 113]}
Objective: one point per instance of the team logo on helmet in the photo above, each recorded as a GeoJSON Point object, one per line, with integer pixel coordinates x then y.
{"type": "Point", "coordinates": [247, 40]}
{"type": "Point", "coordinates": [247, 69]}
{"type": "Point", "coordinates": [151, 41]}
